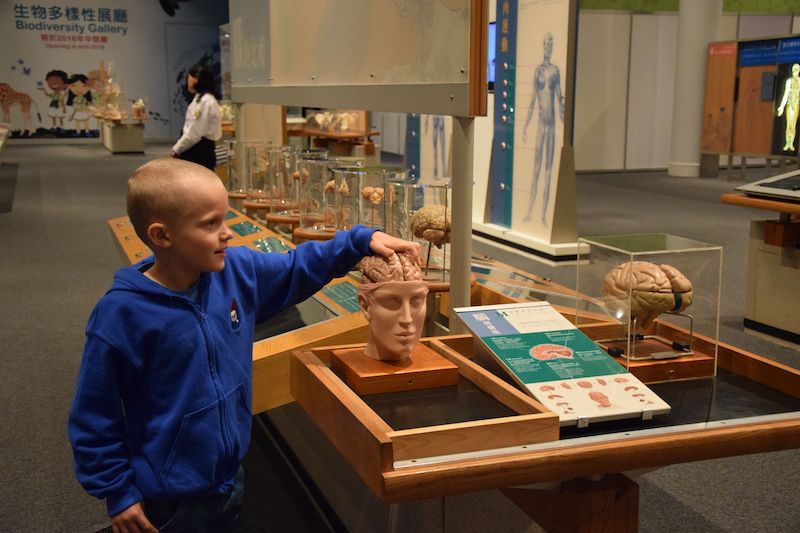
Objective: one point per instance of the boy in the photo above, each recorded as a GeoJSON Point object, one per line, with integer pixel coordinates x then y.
{"type": "Point", "coordinates": [161, 416]}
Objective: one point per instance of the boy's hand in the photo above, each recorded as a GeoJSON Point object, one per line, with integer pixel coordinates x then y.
{"type": "Point", "coordinates": [386, 245]}
{"type": "Point", "coordinates": [132, 520]}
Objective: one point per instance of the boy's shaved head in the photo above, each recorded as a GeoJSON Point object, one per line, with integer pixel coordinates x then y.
{"type": "Point", "coordinates": [158, 190]}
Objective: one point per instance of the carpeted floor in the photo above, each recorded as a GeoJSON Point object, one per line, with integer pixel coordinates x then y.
{"type": "Point", "coordinates": [8, 183]}
{"type": "Point", "coordinates": [58, 259]}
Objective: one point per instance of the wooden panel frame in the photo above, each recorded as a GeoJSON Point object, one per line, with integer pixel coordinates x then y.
{"type": "Point", "coordinates": [335, 408]}
{"type": "Point", "coordinates": [456, 99]}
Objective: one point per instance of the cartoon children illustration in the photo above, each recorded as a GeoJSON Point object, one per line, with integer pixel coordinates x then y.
{"type": "Point", "coordinates": [80, 96]}
{"type": "Point", "coordinates": [57, 82]}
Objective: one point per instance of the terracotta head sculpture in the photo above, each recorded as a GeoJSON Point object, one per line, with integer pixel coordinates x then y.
{"type": "Point", "coordinates": [393, 297]}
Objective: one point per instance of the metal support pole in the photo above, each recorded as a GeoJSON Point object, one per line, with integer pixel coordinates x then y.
{"type": "Point", "coordinates": [461, 221]}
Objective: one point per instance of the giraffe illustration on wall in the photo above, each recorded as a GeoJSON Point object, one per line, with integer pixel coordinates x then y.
{"type": "Point", "coordinates": [9, 97]}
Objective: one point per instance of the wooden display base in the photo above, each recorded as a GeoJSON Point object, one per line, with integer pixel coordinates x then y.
{"type": "Point", "coordinates": [267, 205]}
{"type": "Point", "coordinates": [303, 234]}
{"type": "Point", "coordinates": [122, 137]}
{"type": "Point", "coordinates": [425, 369]}
{"type": "Point", "coordinates": [609, 504]}
{"type": "Point", "coordinates": [783, 234]}
{"type": "Point", "coordinates": [696, 365]}
{"type": "Point", "coordinates": [701, 364]}
{"type": "Point", "coordinates": [373, 447]}
{"type": "Point", "coordinates": [274, 219]}
{"type": "Point", "coordinates": [251, 205]}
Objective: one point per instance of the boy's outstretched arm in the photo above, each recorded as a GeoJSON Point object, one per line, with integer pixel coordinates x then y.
{"type": "Point", "coordinates": [386, 245]}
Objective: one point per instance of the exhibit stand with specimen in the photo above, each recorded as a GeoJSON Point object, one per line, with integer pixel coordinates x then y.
{"type": "Point", "coordinates": [422, 213]}
{"type": "Point", "coordinates": [659, 291]}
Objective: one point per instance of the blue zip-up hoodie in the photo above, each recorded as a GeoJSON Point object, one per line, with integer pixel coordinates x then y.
{"type": "Point", "coordinates": [162, 407]}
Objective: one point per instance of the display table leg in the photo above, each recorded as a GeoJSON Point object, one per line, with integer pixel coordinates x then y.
{"type": "Point", "coordinates": [610, 504]}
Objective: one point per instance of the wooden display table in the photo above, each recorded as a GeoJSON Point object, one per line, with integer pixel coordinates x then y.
{"type": "Point", "coordinates": [738, 198]}
{"type": "Point", "coordinates": [773, 269]}
{"type": "Point", "coordinates": [590, 494]}
{"type": "Point", "coordinates": [122, 136]}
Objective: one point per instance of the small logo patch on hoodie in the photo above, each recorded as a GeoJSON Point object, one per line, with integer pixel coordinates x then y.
{"type": "Point", "coordinates": [234, 314]}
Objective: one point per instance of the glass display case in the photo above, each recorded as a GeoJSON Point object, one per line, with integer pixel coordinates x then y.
{"type": "Point", "coordinates": [283, 180]}
{"type": "Point", "coordinates": [421, 213]}
{"type": "Point", "coordinates": [345, 185]}
{"type": "Point", "coordinates": [317, 212]}
{"type": "Point", "coordinates": [257, 181]}
{"type": "Point", "coordinates": [657, 292]}
{"type": "Point", "coordinates": [360, 194]}
{"type": "Point", "coordinates": [235, 172]}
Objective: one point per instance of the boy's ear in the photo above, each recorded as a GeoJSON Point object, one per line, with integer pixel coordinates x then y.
{"type": "Point", "coordinates": [158, 235]}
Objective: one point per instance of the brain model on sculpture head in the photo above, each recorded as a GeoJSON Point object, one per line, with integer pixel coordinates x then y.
{"type": "Point", "coordinates": [653, 289]}
{"type": "Point", "coordinates": [393, 298]}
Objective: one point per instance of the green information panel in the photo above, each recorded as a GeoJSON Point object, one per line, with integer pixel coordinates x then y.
{"type": "Point", "coordinates": [344, 294]}
{"type": "Point", "coordinates": [270, 245]}
{"type": "Point", "coordinates": [558, 364]}
{"type": "Point", "coordinates": [553, 355]}
{"type": "Point", "coordinates": [245, 228]}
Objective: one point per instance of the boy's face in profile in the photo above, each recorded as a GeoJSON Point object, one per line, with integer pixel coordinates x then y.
{"type": "Point", "coordinates": [200, 236]}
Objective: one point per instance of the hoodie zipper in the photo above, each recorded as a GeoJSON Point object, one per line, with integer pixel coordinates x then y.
{"type": "Point", "coordinates": [212, 369]}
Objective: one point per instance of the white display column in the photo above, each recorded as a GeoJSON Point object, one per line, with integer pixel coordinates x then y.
{"type": "Point", "coordinates": [698, 24]}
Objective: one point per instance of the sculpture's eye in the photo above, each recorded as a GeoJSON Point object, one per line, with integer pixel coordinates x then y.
{"type": "Point", "coordinates": [391, 303]}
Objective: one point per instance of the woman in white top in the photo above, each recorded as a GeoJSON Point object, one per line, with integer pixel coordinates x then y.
{"type": "Point", "coordinates": [203, 124]}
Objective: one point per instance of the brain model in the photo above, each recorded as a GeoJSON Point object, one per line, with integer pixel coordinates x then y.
{"type": "Point", "coordinates": [399, 267]}
{"type": "Point", "coordinates": [330, 186]}
{"type": "Point", "coordinates": [654, 289]}
{"type": "Point", "coordinates": [432, 223]}
{"type": "Point", "coordinates": [373, 195]}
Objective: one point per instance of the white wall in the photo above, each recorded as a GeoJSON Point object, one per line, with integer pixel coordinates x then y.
{"type": "Point", "coordinates": [139, 56]}
{"type": "Point", "coordinates": [650, 90]}
{"type": "Point", "coordinates": [624, 78]}
{"type": "Point", "coordinates": [753, 26]}
{"type": "Point", "coordinates": [601, 92]}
